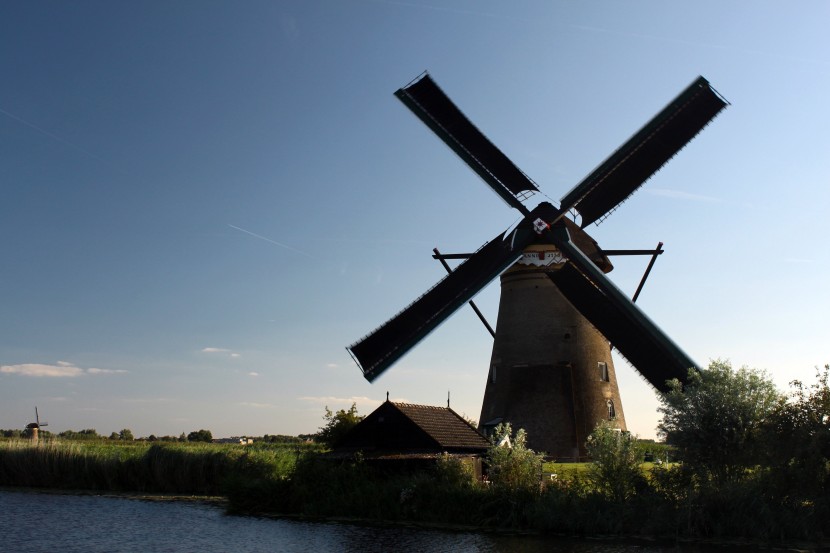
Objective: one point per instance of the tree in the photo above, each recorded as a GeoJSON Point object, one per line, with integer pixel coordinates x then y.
{"type": "Point", "coordinates": [200, 436]}
{"type": "Point", "coordinates": [126, 434]}
{"type": "Point", "coordinates": [715, 420]}
{"type": "Point", "coordinates": [798, 436]}
{"type": "Point", "coordinates": [338, 424]}
{"type": "Point", "coordinates": [511, 464]}
{"type": "Point", "coordinates": [87, 434]}
{"type": "Point", "coordinates": [615, 471]}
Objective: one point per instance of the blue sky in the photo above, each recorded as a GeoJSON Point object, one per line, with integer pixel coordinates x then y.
{"type": "Point", "coordinates": [203, 203]}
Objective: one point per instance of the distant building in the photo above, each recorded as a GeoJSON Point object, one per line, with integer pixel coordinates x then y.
{"type": "Point", "coordinates": [234, 440]}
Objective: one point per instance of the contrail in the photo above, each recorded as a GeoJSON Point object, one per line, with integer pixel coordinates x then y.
{"type": "Point", "coordinates": [61, 140]}
{"type": "Point", "coordinates": [47, 133]}
{"type": "Point", "coordinates": [280, 244]}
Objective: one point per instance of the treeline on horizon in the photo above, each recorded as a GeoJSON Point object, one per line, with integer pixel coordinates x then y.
{"type": "Point", "coordinates": [127, 435]}
{"type": "Point", "coordinates": [752, 463]}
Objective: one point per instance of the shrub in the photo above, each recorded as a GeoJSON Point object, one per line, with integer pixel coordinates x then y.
{"type": "Point", "coordinates": [511, 464]}
{"type": "Point", "coordinates": [616, 456]}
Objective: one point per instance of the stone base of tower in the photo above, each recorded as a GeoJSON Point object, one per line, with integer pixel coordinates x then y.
{"type": "Point", "coordinates": [551, 371]}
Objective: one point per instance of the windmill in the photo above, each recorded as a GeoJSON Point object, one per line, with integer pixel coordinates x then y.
{"type": "Point", "coordinates": [34, 427]}
{"type": "Point", "coordinates": [551, 370]}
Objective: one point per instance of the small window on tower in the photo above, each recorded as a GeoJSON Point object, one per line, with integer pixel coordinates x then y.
{"type": "Point", "coordinates": [603, 370]}
{"type": "Point", "coordinates": [493, 374]}
{"type": "Point", "coordinates": [612, 414]}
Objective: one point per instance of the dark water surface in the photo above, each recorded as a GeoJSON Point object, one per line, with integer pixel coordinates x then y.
{"type": "Point", "coordinates": [47, 523]}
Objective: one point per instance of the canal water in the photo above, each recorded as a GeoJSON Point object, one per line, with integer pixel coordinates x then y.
{"type": "Point", "coordinates": [46, 523]}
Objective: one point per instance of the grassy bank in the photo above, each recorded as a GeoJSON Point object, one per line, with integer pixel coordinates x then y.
{"type": "Point", "coordinates": [188, 468]}
{"type": "Point", "coordinates": [667, 502]}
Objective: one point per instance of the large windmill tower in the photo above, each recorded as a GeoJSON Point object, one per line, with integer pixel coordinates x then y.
{"type": "Point", "coordinates": [551, 370]}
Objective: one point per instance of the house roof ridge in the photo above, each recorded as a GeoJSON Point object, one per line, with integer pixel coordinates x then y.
{"type": "Point", "coordinates": [421, 406]}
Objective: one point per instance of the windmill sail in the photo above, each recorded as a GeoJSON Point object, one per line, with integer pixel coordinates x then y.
{"type": "Point", "coordinates": [380, 349]}
{"type": "Point", "coordinates": [645, 153]}
{"type": "Point", "coordinates": [652, 353]}
{"type": "Point", "coordinates": [440, 114]}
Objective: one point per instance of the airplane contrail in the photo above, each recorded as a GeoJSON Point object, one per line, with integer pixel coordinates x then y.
{"type": "Point", "coordinates": [280, 244]}
{"type": "Point", "coordinates": [47, 133]}
{"type": "Point", "coordinates": [53, 136]}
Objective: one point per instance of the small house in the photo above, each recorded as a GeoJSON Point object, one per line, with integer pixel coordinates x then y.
{"type": "Point", "coordinates": [401, 436]}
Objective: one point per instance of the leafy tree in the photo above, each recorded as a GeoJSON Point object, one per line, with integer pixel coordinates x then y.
{"type": "Point", "coordinates": [615, 471]}
{"type": "Point", "coordinates": [511, 464]}
{"type": "Point", "coordinates": [200, 436]}
{"type": "Point", "coordinates": [280, 439]}
{"type": "Point", "coordinates": [115, 436]}
{"type": "Point", "coordinates": [798, 435]}
{"type": "Point", "coordinates": [182, 437]}
{"type": "Point", "coordinates": [338, 424]}
{"type": "Point", "coordinates": [126, 434]}
{"type": "Point", "coordinates": [87, 434]}
{"type": "Point", "coordinates": [715, 420]}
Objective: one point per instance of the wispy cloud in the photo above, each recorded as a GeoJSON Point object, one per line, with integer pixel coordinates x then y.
{"type": "Point", "coordinates": [256, 405]}
{"type": "Point", "coordinates": [334, 401]}
{"type": "Point", "coordinates": [680, 195]}
{"type": "Point", "coordinates": [228, 352]}
{"type": "Point", "coordinates": [253, 373]}
{"type": "Point", "coordinates": [61, 369]}
{"type": "Point", "coordinates": [105, 371]}
{"type": "Point", "coordinates": [332, 365]}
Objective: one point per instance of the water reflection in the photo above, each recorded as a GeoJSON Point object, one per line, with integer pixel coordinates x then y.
{"type": "Point", "coordinates": [33, 522]}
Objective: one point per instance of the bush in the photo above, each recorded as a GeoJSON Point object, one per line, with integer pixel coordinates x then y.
{"type": "Point", "coordinates": [616, 457]}
{"type": "Point", "coordinates": [715, 420]}
{"type": "Point", "coordinates": [511, 464]}
{"type": "Point", "coordinates": [338, 424]}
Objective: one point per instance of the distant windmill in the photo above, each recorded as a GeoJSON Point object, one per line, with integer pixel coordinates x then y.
{"type": "Point", "coordinates": [34, 427]}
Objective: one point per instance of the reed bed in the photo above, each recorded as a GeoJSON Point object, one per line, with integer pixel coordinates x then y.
{"type": "Point", "coordinates": [196, 469]}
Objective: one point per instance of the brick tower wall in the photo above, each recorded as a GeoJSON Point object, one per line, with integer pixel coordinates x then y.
{"type": "Point", "coordinates": [545, 374]}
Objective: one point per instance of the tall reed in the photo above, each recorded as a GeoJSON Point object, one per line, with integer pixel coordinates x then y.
{"type": "Point", "coordinates": [137, 467]}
